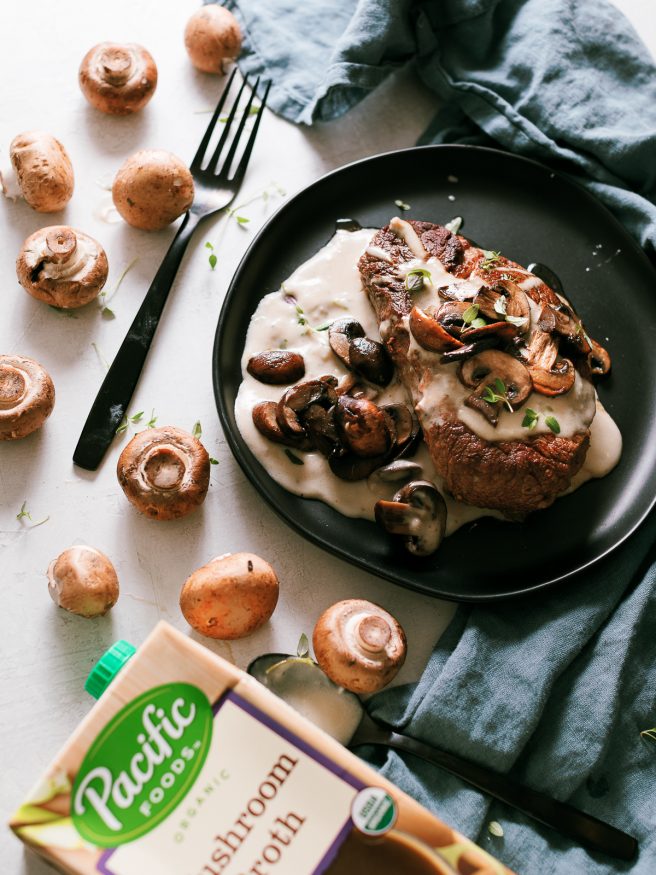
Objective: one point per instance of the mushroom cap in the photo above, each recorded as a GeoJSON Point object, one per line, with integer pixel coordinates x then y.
{"type": "Point", "coordinates": [480, 372]}
{"type": "Point", "coordinates": [118, 79]}
{"type": "Point", "coordinates": [152, 188]}
{"type": "Point", "coordinates": [62, 266]}
{"type": "Point", "coordinates": [359, 645]}
{"type": "Point", "coordinates": [83, 581]}
{"type": "Point", "coordinates": [27, 396]}
{"type": "Point", "coordinates": [417, 512]}
{"type": "Point", "coordinates": [230, 597]}
{"type": "Point", "coordinates": [277, 367]}
{"type": "Point", "coordinates": [43, 169]}
{"type": "Point", "coordinates": [164, 472]}
{"type": "Point", "coordinates": [212, 38]}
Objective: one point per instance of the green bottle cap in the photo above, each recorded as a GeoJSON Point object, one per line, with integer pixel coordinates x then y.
{"type": "Point", "coordinates": [107, 667]}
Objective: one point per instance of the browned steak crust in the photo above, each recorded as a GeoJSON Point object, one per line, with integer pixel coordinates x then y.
{"type": "Point", "coordinates": [515, 477]}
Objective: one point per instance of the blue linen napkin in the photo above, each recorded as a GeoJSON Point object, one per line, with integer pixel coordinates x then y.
{"type": "Point", "coordinates": [555, 689]}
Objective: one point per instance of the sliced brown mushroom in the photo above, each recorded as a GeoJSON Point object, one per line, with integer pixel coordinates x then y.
{"type": "Point", "coordinates": [359, 645]}
{"type": "Point", "coordinates": [562, 321]}
{"type": "Point", "coordinates": [299, 398]}
{"type": "Point", "coordinates": [450, 316]}
{"type": "Point", "coordinates": [481, 373]}
{"type": "Point", "coordinates": [164, 472]}
{"type": "Point", "coordinates": [27, 396]}
{"type": "Point", "coordinates": [366, 357]}
{"type": "Point", "coordinates": [517, 306]}
{"type": "Point", "coordinates": [363, 427]}
{"type": "Point", "coordinates": [400, 469]}
{"type": "Point", "coordinates": [277, 367]}
{"type": "Point", "coordinates": [417, 513]}
{"type": "Point", "coordinates": [468, 350]}
{"type": "Point", "coordinates": [370, 359]}
{"type": "Point", "coordinates": [118, 79]}
{"type": "Point", "coordinates": [405, 425]}
{"type": "Point", "coordinates": [598, 359]}
{"type": "Point", "coordinates": [429, 333]}
{"type": "Point", "coordinates": [488, 301]}
{"type": "Point", "coordinates": [62, 267]}
{"type": "Point", "coordinates": [550, 374]}
{"type": "Point", "coordinates": [341, 334]}
{"type": "Point", "coordinates": [266, 422]}
{"type": "Point", "coordinates": [458, 292]}
{"type": "Point", "coordinates": [319, 425]}
{"type": "Point", "coordinates": [502, 332]}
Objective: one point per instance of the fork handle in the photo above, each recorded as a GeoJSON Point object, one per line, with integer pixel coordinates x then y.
{"type": "Point", "coordinates": [118, 386]}
{"type": "Point", "coordinates": [570, 821]}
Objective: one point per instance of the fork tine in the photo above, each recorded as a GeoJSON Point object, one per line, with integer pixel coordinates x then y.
{"type": "Point", "coordinates": [207, 136]}
{"type": "Point", "coordinates": [214, 160]}
{"type": "Point", "coordinates": [243, 164]}
{"type": "Point", "coordinates": [227, 161]}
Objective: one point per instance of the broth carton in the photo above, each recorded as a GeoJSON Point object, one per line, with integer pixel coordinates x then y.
{"type": "Point", "coordinates": [188, 766]}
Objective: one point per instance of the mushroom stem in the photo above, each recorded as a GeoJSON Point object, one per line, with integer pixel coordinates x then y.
{"type": "Point", "coordinates": [61, 243]}
{"type": "Point", "coordinates": [117, 63]}
{"type": "Point", "coordinates": [373, 633]}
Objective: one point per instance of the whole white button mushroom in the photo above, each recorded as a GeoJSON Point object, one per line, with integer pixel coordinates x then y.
{"type": "Point", "coordinates": [152, 188]}
{"type": "Point", "coordinates": [212, 38]}
{"type": "Point", "coordinates": [27, 396]}
{"type": "Point", "coordinates": [82, 580]}
{"type": "Point", "coordinates": [164, 472]}
{"type": "Point", "coordinates": [359, 645]}
{"type": "Point", "coordinates": [230, 597]}
{"type": "Point", "coordinates": [62, 266]}
{"type": "Point", "coordinates": [41, 172]}
{"type": "Point", "coordinates": [118, 79]}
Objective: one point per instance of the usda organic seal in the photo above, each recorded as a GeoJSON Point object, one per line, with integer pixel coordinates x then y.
{"type": "Point", "coordinates": [373, 811]}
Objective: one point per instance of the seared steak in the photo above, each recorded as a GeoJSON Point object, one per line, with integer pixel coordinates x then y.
{"type": "Point", "coordinates": [437, 297]}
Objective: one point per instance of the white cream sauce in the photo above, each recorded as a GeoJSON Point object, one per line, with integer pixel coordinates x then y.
{"type": "Point", "coordinates": [328, 287]}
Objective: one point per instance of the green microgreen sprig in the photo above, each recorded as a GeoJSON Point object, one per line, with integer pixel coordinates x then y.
{"type": "Point", "coordinates": [498, 394]}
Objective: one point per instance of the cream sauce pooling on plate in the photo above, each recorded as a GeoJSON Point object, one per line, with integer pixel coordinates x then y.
{"type": "Point", "coordinates": [324, 288]}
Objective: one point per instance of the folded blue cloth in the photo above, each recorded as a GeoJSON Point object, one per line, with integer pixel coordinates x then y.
{"type": "Point", "coordinates": [555, 689]}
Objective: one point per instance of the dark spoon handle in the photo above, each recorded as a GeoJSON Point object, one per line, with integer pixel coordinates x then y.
{"type": "Point", "coordinates": [118, 386]}
{"type": "Point", "coordinates": [569, 821]}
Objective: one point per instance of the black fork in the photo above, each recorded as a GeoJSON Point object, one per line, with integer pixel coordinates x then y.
{"type": "Point", "coordinates": [215, 189]}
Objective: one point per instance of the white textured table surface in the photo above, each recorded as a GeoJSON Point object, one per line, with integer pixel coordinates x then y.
{"type": "Point", "coordinates": [46, 652]}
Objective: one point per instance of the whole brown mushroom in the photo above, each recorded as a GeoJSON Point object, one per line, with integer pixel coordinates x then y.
{"type": "Point", "coordinates": [212, 38]}
{"type": "Point", "coordinates": [231, 596]}
{"type": "Point", "coordinates": [118, 79]}
{"type": "Point", "coordinates": [41, 172]}
{"type": "Point", "coordinates": [27, 396]}
{"type": "Point", "coordinates": [62, 267]}
{"type": "Point", "coordinates": [164, 472]}
{"type": "Point", "coordinates": [359, 645]}
{"type": "Point", "coordinates": [152, 188]}
{"type": "Point", "coordinates": [83, 581]}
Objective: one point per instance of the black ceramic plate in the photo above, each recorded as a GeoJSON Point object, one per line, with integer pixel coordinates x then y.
{"type": "Point", "coordinates": [530, 214]}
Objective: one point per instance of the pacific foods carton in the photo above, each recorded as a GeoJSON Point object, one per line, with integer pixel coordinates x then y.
{"type": "Point", "coordinates": [188, 766]}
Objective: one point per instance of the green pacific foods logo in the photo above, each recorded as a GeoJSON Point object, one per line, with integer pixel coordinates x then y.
{"type": "Point", "coordinates": [142, 764]}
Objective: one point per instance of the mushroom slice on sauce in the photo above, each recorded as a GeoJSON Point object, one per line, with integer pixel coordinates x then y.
{"type": "Point", "coordinates": [62, 267]}
{"type": "Point", "coordinates": [300, 682]}
{"type": "Point", "coordinates": [418, 513]}
{"type": "Point", "coordinates": [398, 470]}
{"type": "Point", "coordinates": [468, 350]}
{"type": "Point", "coordinates": [27, 396]}
{"type": "Point", "coordinates": [429, 333]}
{"type": "Point", "coordinates": [319, 425]}
{"type": "Point", "coordinates": [359, 645]}
{"type": "Point", "coordinates": [340, 336]}
{"type": "Point", "coordinates": [297, 399]}
{"type": "Point", "coordinates": [266, 422]}
{"type": "Point", "coordinates": [502, 332]}
{"type": "Point", "coordinates": [370, 359]}
{"type": "Point", "coordinates": [480, 373]}
{"type": "Point", "coordinates": [449, 315]}
{"type": "Point", "coordinates": [562, 321]}
{"type": "Point", "coordinates": [277, 367]}
{"type": "Point", "coordinates": [551, 375]}
{"type": "Point", "coordinates": [164, 472]}
{"type": "Point", "coordinates": [363, 427]}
